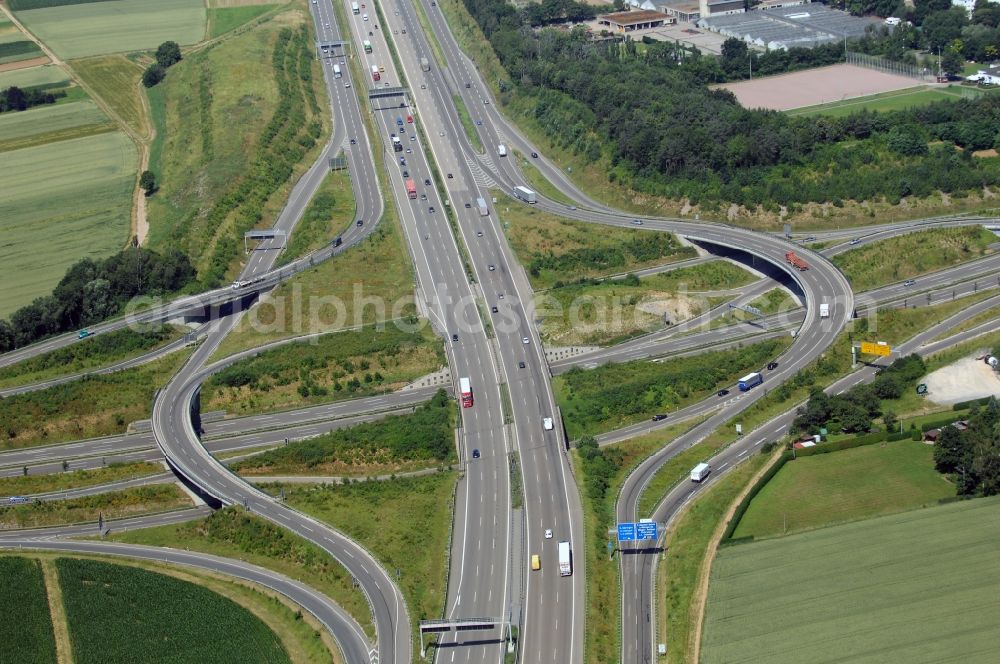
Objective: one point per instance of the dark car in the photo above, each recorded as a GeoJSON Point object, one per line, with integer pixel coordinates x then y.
{"type": "Point", "coordinates": [468, 205]}
{"type": "Point", "coordinates": [909, 282]}
{"type": "Point", "coordinates": [475, 453]}
{"type": "Point", "coordinates": [337, 242]}
{"type": "Point", "coordinates": [427, 182]}
{"type": "Point", "coordinates": [520, 365]}
{"type": "Point", "coordinates": [360, 223]}
{"type": "Point", "coordinates": [494, 309]}
{"type": "Point", "coordinates": [454, 337]}
{"type": "Point", "coordinates": [450, 176]}
{"type": "Point", "coordinates": [468, 85]}
{"type": "Point", "coordinates": [771, 366]}
{"type": "Point", "coordinates": [723, 392]}
{"type": "Point", "coordinates": [534, 155]}
{"type": "Point", "coordinates": [658, 418]}
{"type": "Point", "coordinates": [354, 142]}
{"type": "Point", "coordinates": [430, 210]}
{"type": "Point", "coordinates": [406, 174]}
{"type": "Point", "coordinates": [492, 267]}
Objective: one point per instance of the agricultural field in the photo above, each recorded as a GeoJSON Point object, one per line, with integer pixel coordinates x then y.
{"type": "Point", "coordinates": [410, 519]}
{"type": "Point", "coordinates": [65, 201]}
{"type": "Point", "coordinates": [97, 351]}
{"type": "Point", "coordinates": [556, 251]}
{"type": "Point", "coordinates": [608, 312]}
{"type": "Point", "coordinates": [51, 124]}
{"type": "Point", "coordinates": [94, 28]}
{"type": "Point", "coordinates": [86, 408]}
{"type": "Point", "coordinates": [422, 439]}
{"type": "Point", "coordinates": [823, 489]}
{"type": "Point", "coordinates": [182, 625]}
{"type": "Point", "coordinates": [225, 19]}
{"type": "Point", "coordinates": [234, 533]}
{"type": "Point", "coordinates": [139, 500]}
{"type": "Point", "coordinates": [895, 100]}
{"type": "Point", "coordinates": [615, 395]}
{"type": "Point", "coordinates": [28, 639]}
{"type": "Point", "coordinates": [15, 46]}
{"type": "Point", "coordinates": [116, 80]}
{"type": "Point", "coordinates": [881, 263]}
{"type": "Point", "coordinates": [333, 367]}
{"type": "Point", "coordinates": [920, 585]}
{"type": "Point", "coordinates": [47, 75]}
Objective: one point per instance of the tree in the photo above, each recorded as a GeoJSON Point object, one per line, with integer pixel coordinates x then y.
{"type": "Point", "coordinates": [943, 27]}
{"type": "Point", "coordinates": [6, 337]}
{"type": "Point", "coordinates": [951, 62]}
{"type": "Point", "coordinates": [854, 418]}
{"type": "Point", "coordinates": [154, 74]}
{"type": "Point", "coordinates": [14, 99]}
{"type": "Point", "coordinates": [890, 420]}
{"type": "Point", "coordinates": [148, 182]}
{"type": "Point", "coordinates": [168, 53]}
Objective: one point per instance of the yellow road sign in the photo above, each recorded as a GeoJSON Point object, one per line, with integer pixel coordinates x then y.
{"type": "Point", "coordinates": [870, 348]}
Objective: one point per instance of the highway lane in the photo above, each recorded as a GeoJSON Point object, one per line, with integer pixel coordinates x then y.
{"type": "Point", "coordinates": [480, 554]}
{"type": "Point", "coordinates": [342, 627]}
{"type": "Point", "coordinates": [638, 607]}
{"type": "Point", "coordinates": [549, 498]}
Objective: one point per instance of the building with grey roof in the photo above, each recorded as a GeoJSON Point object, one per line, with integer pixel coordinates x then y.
{"type": "Point", "coordinates": [784, 27]}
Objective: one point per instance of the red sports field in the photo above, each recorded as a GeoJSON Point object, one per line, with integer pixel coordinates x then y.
{"type": "Point", "coordinates": [815, 86]}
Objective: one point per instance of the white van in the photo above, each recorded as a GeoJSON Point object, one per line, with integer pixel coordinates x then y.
{"type": "Point", "coordinates": [547, 424]}
{"type": "Point", "coordinates": [700, 472]}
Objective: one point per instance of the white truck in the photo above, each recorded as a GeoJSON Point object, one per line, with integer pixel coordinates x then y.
{"type": "Point", "coordinates": [824, 310]}
{"type": "Point", "coordinates": [700, 472]}
{"type": "Point", "coordinates": [425, 65]}
{"type": "Point", "coordinates": [484, 210]}
{"type": "Point", "coordinates": [355, 9]}
{"type": "Point", "coordinates": [336, 71]}
{"type": "Point", "coordinates": [525, 194]}
{"type": "Point", "coordinates": [565, 559]}
{"type": "Point", "coordinates": [502, 150]}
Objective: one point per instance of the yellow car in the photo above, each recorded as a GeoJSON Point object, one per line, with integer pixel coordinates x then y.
{"type": "Point", "coordinates": [536, 562]}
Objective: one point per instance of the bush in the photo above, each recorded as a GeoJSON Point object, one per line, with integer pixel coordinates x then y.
{"type": "Point", "coordinates": [154, 74]}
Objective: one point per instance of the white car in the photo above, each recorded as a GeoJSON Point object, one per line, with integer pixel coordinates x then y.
{"type": "Point", "coordinates": [364, 17]}
{"type": "Point", "coordinates": [525, 340]}
{"type": "Point", "coordinates": [548, 533]}
{"type": "Point", "coordinates": [547, 424]}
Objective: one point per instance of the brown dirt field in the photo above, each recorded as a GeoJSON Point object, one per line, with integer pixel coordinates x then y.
{"type": "Point", "coordinates": [24, 64]}
{"type": "Point", "coordinates": [815, 86]}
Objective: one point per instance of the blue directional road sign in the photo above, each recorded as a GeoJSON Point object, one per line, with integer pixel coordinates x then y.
{"type": "Point", "coordinates": [626, 532]}
{"type": "Point", "coordinates": [645, 530]}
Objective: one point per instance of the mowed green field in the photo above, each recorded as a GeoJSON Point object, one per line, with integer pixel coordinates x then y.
{"type": "Point", "coordinates": [824, 489]}
{"type": "Point", "coordinates": [118, 613]}
{"type": "Point", "coordinates": [62, 202]}
{"type": "Point", "coordinates": [47, 124]}
{"type": "Point", "coordinates": [917, 587]}
{"type": "Point", "coordinates": [29, 76]}
{"type": "Point", "coordinates": [94, 28]}
{"type": "Point", "coordinates": [896, 100]}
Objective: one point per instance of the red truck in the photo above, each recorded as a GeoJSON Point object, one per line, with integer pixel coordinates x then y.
{"type": "Point", "coordinates": [411, 189]}
{"type": "Point", "coordinates": [796, 261]}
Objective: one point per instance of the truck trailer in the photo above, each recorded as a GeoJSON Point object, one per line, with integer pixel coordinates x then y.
{"type": "Point", "coordinates": [750, 381]}
{"type": "Point", "coordinates": [824, 310]}
{"type": "Point", "coordinates": [565, 559]}
{"type": "Point", "coordinates": [483, 209]}
{"type": "Point", "coordinates": [425, 65]}
{"type": "Point", "coordinates": [700, 472]}
{"type": "Point", "coordinates": [465, 387]}
{"type": "Point", "coordinates": [796, 261]}
{"type": "Point", "coordinates": [525, 194]}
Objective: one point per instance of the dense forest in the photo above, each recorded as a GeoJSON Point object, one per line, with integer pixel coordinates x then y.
{"type": "Point", "coordinates": [91, 290]}
{"type": "Point", "coordinates": [652, 116]}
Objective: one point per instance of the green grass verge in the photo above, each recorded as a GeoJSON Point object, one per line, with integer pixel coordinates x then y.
{"type": "Point", "coordinates": [98, 351]}
{"type": "Point", "coordinates": [557, 251]}
{"type": "Point", "coordinates": [112, 505]}
{"type": "Point", "coordinates": [50, 124]}
{"type": "Point", "coordinates": [611, 311]}
{"type": "Point", "coordinates": [396, 444]}
{"type": "Point", "coordinates": [233, 533]}
{"type": "Point", "coordinates": [30, 638]}
{"type": "Point", "coordinates": [896, 100]}
{"type": "Point", "coordinates": [920, 585]}
{"type": "Point", "coordinates": [94, 28]}
{"type": "Point", "coordinates": [86, 408]}
{"type": "Point", "coordinates": [825, 489]}
{"type": "Point", "coordinates": [65, 201]}
{"type": "Point", "coordinates": [974, 321]}
{"type": "Point", "coordinates": [333, 367]}
{"type": "Point", "coordinates": [538, 183]}
{"type": "Point", "coordinates": [470, 129]}
{"type": "Point", "coordinates": [615, 395]}
{"type": "Point", "coordinates": [116, 80]}
{"type": "Point", "coordinates": [907, 256]}
{"type": "Point", "coordinates": [223, 20]}
{"type": "Point", "coordinates": [182, 625]}
{"type": "Point", "coordinates": [687, 545]}
{"type": "Point", "coordinates": [330, 212]}
{"type": "Point", "coordinates": [407, 530]}
{"type": "Point", "coordinates": [76, 479]}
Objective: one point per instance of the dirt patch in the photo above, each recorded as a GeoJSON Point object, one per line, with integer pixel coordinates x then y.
{"type": "Point", "coordinates": [673, 307]}
{"type": "Point", "coordinates": [24, 64]}
{"type": "Point", "coordinates": [815, 86]}
{"type": "Point", "coordinates": [985, 154]}
{"type": "Point", "coordinates": [962, 380]}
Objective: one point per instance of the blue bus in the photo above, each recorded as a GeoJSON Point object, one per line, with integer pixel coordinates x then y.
{"type": "Point", "coordinates": [750, 380]}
